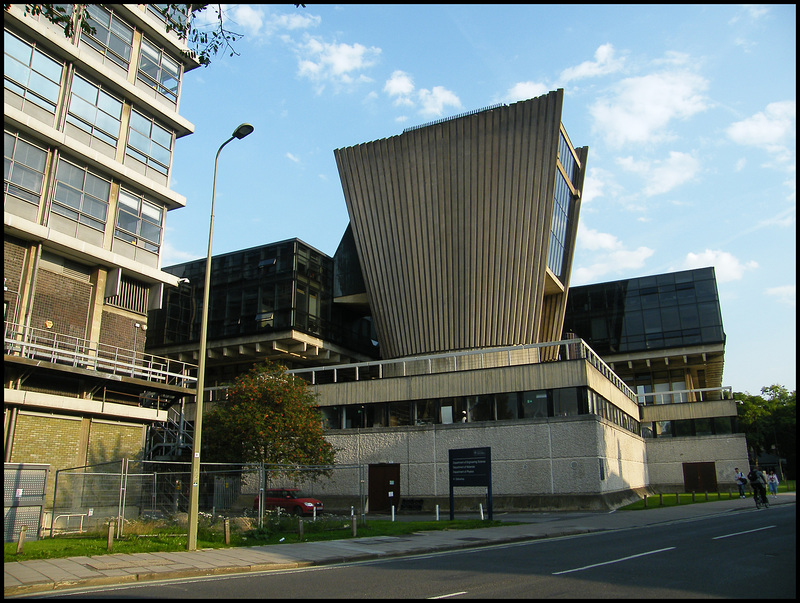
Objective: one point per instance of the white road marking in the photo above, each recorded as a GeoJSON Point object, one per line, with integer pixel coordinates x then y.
{"type": "Point", "coordinates": [740, 533]}
{"type": "Point", "coordinates": [463, 592]}
{"type": "Point", "coordinates": [578, 569]}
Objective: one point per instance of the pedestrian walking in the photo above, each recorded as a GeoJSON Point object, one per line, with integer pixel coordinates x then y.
{"type": "Point", "coordinates": [772, 483]}
{"type": "Point", "coordinates": [741, 480]}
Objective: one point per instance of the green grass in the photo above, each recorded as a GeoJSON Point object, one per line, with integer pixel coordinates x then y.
{"type": "Point", "coordinates": [151, 537]}
{"type": "Point", "coordinates": [282, 531]}
{"type": "Point", "coordinates": [671, 500]}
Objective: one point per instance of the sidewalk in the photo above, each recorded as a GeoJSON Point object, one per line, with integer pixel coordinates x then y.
{"type": "Point", "coordinates": [41, 575]}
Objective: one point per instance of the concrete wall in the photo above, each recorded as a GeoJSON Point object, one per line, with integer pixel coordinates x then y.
{"type": "Point", "coordinates": [531, 459]}
{"type": "Point", "coordinates": [666, 457]}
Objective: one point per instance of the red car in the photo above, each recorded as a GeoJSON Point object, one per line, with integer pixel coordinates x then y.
{"type": "Point", "coordinates": [290, 500]}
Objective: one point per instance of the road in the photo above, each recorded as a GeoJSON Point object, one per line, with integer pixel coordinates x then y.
{"type": "Point", "coordinates": [742, 555]}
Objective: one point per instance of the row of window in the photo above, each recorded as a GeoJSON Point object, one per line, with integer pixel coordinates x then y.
{"type": "Point", "coordinates": [690, 427]}
{"type": "Point", "coordinates": [80, 193]}
{"type": "Point", "coordinates": [562, 402]}
{"type": "Point", "coordinates": [561, 207]}
{"type": "Point", "coordinates": [36, 77]}
{"type": "Point", "coordinates": [113, 38]}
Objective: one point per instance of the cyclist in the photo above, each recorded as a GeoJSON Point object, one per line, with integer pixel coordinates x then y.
{"type": "Point", "coordinates": [759, 485]}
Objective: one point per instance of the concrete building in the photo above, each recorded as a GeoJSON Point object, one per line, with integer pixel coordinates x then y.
{"type": "Point", "coordinates": [456, 262]}
{"type": "Point", "coordinates": [89, 126]}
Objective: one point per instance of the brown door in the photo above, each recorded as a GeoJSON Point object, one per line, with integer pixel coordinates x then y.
{"type": "Point", "coordinates": [700, 477]}
{"type": "Point", "coordinates": [384, 487]}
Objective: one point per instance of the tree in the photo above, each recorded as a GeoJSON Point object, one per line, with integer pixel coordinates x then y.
{"type": "Point", "coordinates": [203, 45]}
{"type": "Point", "coordinates": [269, 417]}
{"type": "Point", "coordinates": [770, 422]}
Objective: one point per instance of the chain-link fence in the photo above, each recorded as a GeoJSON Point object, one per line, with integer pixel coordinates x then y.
{"type": "Point", "coordinates": [86, 498]}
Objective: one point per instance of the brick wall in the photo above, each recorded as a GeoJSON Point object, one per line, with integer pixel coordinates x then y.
{"type": "Point", "coordinates": [119, 330]}
{"type": "Point", "coordinates": [13, 261]}
{"type": "Point", "coordinates": [63, 300]}
{"type": "Point", "coordinates": [114, 441]}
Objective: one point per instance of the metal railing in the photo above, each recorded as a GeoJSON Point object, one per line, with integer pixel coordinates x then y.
{"type": "Point", "coordinates": [681, 396]}
{"type": "Point", "coordinates": [58, 348]}
{"type": "Point", "coordinates": [556, 351]}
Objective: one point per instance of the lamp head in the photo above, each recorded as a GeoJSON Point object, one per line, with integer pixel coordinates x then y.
{"type": "Point", "coordinates": [242, 131]}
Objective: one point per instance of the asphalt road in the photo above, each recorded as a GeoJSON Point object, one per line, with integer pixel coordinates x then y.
{"type": "Point", "coordinates": [747, 555]}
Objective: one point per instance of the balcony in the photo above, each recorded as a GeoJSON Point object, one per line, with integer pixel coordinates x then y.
{"type": "Point", "coordinates": [27, 345]}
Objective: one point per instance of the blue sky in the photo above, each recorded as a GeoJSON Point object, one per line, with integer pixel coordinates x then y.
{"type": "Point", "coordinates": [689, 113]}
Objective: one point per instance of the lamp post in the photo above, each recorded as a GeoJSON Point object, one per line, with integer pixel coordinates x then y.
{"type": "Point", "coordinates": [194, 491]}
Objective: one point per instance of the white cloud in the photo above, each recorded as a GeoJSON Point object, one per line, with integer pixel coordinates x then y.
{"type": "Point", "coordinates": [603, 64]}
{"type": "Point", "coordinates": [643, 107]}
{"type": "Point", "coordinates": [434, 101]}
{"type": "Point", "coordinates": [662, 176]}
{"type": "Point", "coordinates": [726, 266]}
{"type": "Point", "coordinates": [170, 255]}
{"type": "Point", "coordinates": [769, 129]}
{"type": "Point", "coordinates": [245, 17]}
{"type": "Point", "coordinates": [784, 295]}
{"type": "Point", "coordinates": [337, 63]}
{"type": "Point", "coordinates": [399, 84]}
{"type": "Point", "coordinates": [609, 256]}
{"type": "Point", "coordinates": [525, 90]}
{"type": "Point", "coordinates": [292, 157]}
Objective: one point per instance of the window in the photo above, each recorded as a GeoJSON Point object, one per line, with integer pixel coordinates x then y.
{"type": "Point", "coordinates": [535, 404]}
{"type": "Point", "coordinates": [139, 221]}
{"type": "Point", "coordinates": [170, 14]}
{"type": "Point", "coordinates": [159, 71]}
{"type": "Point", "coordinates": [80, 195]}
{"type": "Point", "coordinates": [558, 227]}
{"type": "Point", "coordinates": [23, 169]}
{"type": "Point", "coordinates": [566, 403]}
{"type": "Point", "coordinates": [30, 73]}
{"type": "Point", "coordinates": [113, 38]}
{"type": "Point", "coordinates": [149, 143]}
{"type": "Point", "coordinates": [94, 110]}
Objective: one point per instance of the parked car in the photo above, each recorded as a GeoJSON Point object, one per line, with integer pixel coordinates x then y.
{"type": "Point", "coordinates": [290, 500]}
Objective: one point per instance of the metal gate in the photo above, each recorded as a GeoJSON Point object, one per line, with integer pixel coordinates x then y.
{"type": "Point", "coordinates": [24, 487]}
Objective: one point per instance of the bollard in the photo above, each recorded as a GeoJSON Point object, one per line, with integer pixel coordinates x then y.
{"type": "Point", "coordinates": [110, 544]}
{"type": "Point", "coordinates": [392, 512]}
{"type": "Point", "coordinates": [645, 501]}
{"type": "Point", "coordinates": [661, 499]}
{"type": "Point", "coordinates": [315, 514]}
{"type": "Point", "coordinates": [226, 527]}
{"type": "Point", "coordinates": [21, 541]}
{"type": "Point", "coordinates": [437, 512]}
{"type": "Point", "coordinates": [481, 508]}
{"type": "Point", "coordinates": [730, 494]}
{"type": "Point", "coordinates": [706, 495]}
{"type": "Point", "coordinates": [353, 523]}
{"type": "Point", "coordinates": [300, 527]}
{"type": "Point", "coordinates": [692, 495]}
{"type": "Point", "coordinates": [677, 498]}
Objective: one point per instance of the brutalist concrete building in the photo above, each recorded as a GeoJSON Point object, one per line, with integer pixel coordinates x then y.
{"type": "Point", "coordinates": [458, 254]}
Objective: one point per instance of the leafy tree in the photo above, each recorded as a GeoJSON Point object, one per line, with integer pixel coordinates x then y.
{"type": "Point", "coordinates": [770, 422]}
{"type": "Point", "coordinates": [203, 45]}
{"type": "Point", "coordinates": [269, 417]}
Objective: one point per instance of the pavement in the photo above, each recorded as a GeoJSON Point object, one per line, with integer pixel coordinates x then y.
{"type": "Point", "coordinates": [41, 575]}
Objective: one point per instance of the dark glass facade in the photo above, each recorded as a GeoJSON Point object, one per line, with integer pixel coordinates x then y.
{"type": "Point", "coordinates": [656, 312]}
{"type": "Point", "coordinates": [262, 290]}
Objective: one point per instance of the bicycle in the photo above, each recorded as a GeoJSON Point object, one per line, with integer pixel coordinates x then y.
{"type": "Point", "coordinates": [760, 496]}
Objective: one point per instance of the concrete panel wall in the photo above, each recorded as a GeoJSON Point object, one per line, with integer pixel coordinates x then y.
{"type": "Point", "coordinates": [666, 457]}
{"type": "Point", "coordinates": [552, 457]}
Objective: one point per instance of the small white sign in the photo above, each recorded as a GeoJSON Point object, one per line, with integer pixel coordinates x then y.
{"type": "Point", "coordinates": [19, 493]}
{"type": "Point", "coordinates": [91, 512]}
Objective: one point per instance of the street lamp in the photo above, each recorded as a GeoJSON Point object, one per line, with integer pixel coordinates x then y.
{"type": "Point", "coordinates": [194, 492]}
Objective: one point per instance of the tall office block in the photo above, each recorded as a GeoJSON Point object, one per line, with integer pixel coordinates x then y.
{"type": "Point", "coordinates": [465, 228]}
{"type": "Point", "coordinates": [89, 128]}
